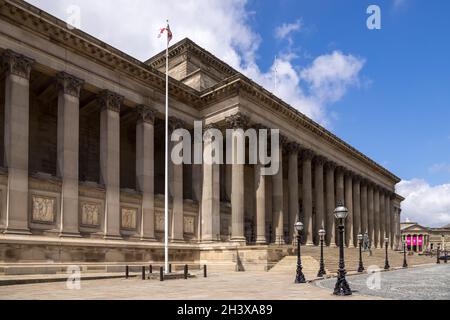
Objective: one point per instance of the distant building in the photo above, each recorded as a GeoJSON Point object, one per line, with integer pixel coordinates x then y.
{"type": "Point", "coordinates": [420, 239]}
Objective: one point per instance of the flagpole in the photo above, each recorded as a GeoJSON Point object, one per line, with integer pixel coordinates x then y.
{"type": "Point", "coordinates": [166, 191]}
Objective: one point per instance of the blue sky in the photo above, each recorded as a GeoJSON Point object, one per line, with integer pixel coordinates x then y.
{"type": "Point", "coordinates": [386, 92]}
{"type": "Point", "coordinates": [400, 118]}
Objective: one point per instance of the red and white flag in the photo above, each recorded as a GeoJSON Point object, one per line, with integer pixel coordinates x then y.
{"type": "Point", "coordinates": [169, 33]}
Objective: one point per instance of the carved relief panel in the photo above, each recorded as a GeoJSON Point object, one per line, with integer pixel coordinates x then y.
{"type": "Point", "coordinates": [43, 209]}
{"type": "Point", "coordinates": [189, 224]}
{"type": "Point", "coordinates": [129, 218]}
{"type": "Point", "coordinates": [159, 221]}
{"type": "Point", "coordinates": [90, 214]}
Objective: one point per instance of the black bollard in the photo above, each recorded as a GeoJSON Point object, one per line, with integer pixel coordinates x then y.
{"type": "Point", "coordinates": [205, 271]}
{"type": "Point", "coordinates": [151, 269]}
{"type": "Point", "coordinates": [161, 274]}
{"type": "Point", "coordinates": [186, 271]}
{"type": "Point", "coordinates": [170, 268]}
{"type": "Point", "coordinates": [127, 272]}
{"type": "Point", "coordinates": [143, 273]}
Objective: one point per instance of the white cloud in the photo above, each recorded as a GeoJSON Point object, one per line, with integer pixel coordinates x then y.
{"type": "Point", "coordinates": [425, 204]}
{"type": "Point", "coordinates": [223, 28]}
{"type": "Point", "coordinates": [283, 31]}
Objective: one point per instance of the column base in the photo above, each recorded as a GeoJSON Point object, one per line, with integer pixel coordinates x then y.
{"type": "Point", "coordinates": [309, 244]}
{"type": "Point", "coordinates": [17, 231]}
{"type": "Point", "coordinates": [242, 241]}
{"type": "Point", "coordinates": [261, 242]}
{"type": "Point", "coordinates": [112, 237]}
{"type": "Point", "coordinates": [148, 239]}
{"type": "Point", "coordinates": [176, 241]}
{"type": "Point", "coordinates": [70, 235]}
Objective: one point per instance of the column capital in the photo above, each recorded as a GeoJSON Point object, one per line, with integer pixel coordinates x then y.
{"type": "Point", "coordinates": [110, 100]}
{"type": "Point", "coordinates": [307, 154]}
{"type": "Point", "coordinates": [330, 165]}
{"type": "Point", "coordinates": [175, 123]}
{"type": "Point", "coordinates": [357, 178]}
{"type": "Point", "coordinates": [17, 64]}
{"type": "Point", "coordinates": [293, 147]}
{"type": "Point", "coordinates": [340, 169]}
{"type": "Point", "coordinates": [259, 126]}
{"type": "Point", "coordinates": [364, 182]}
{"type": "Point", "coordinates": [69, 84]}
{"type": "Point", "coordinates": [320, 160]}
{"type": "Point", "coordinates": [237, 121]}
{"type": "Point", "coordinates": [349, 173]}
{"type": "Point", "coordinates": [146, 114]}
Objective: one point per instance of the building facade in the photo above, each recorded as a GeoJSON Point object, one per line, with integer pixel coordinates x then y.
{"type": "Point", "coordinates": [422, 239]}
{"type": "Point", "coordinates": [82, 176]}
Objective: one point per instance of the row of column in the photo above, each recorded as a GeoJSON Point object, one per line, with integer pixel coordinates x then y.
{"type": "Point", "coordinates": [17, 86]}
{"type": "Point", "coordinates": [370, 207]}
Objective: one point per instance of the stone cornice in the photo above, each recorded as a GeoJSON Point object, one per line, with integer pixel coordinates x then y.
{"type": "Point", "coordinates": [49, 27]}
{"type": "Point", "coordinates": [69, 84]}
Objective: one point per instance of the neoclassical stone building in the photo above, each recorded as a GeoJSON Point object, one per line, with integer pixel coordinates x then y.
{"type": "Point", "coordinates": [82, 144]}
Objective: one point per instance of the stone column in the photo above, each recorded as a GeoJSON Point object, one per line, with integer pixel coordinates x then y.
{"type": "Point", "coordinates": [382, 217]}
{"type": "Point", "coordinates": [307, 156]}
{"type": "Point", "coordinates": [330, 203]}
{"type": "Point", "coordinates": [376, 203]}
{"type": "Point", "coordinates": [356, 209]}
{"type": "Point", "coordinates": [397, 227]}
{"type": "Point", "coordinates": [371, 216]}
{"type": "Point", "coordinates": [145, 169]}
{"type": "Point", "coordinates": [210, 191]}
{"type": "Point", "coordinates": [387, 218]}
{"type": "Point", "coordinates": [340, 194]}
{"type": "Point", "coordinates": [364, 208]}
{"type": "Point", "coordinates": [293, 150]}
{"type": "Point", "coordinates": [349, 205]}
{"type": "Point", "coordinates": [278, 198]}
{"type": "Point", "coordinates": [238, 123]}
{"type": "Point", "coordinates": [393, 222]}
{"type": "Point", "coordinates": [176, 190]}
{"type": "Point", "coordinates": [110, 160]}
{"type": "Point", "coordinates": [68, 147]}
{"type": "Point", "coordinates": [260, 187]}
{"type": "Point", "coordinates": [17, 89]}
{"type": "Point", "coordinates": [319, 199]}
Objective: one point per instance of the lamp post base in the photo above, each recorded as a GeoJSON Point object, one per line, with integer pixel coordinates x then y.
{"type": "Point", "coordinates": [342, 288]}
{"type": "Point", "coordinates": [300, 277]}
{"type": "Point", "coordinates": [361, 268]}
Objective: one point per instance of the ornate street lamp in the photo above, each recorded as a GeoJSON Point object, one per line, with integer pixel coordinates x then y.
{"type": "Point", "coordinates": [386, 264]}
{"type": "Point", "coordinates": [405, 263]}
{"type": "Point", "coordinates": [361, 265]}
{"type": "Point", "coordinates": [342, 288]}
{"type": "Point", "coordinates": [438, 261]}
{"type": "Point", "coordinates": [322, 271]}
{"type": "Point", "coordinates": [300, 277]}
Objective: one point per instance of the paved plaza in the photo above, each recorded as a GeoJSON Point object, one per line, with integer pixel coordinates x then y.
{"type": "Point", "coordinates": [235, 286]}
{"type": "Point", "coordinates": [425, 282]}
{"type": "Point", "coordinates": [419, 283]}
